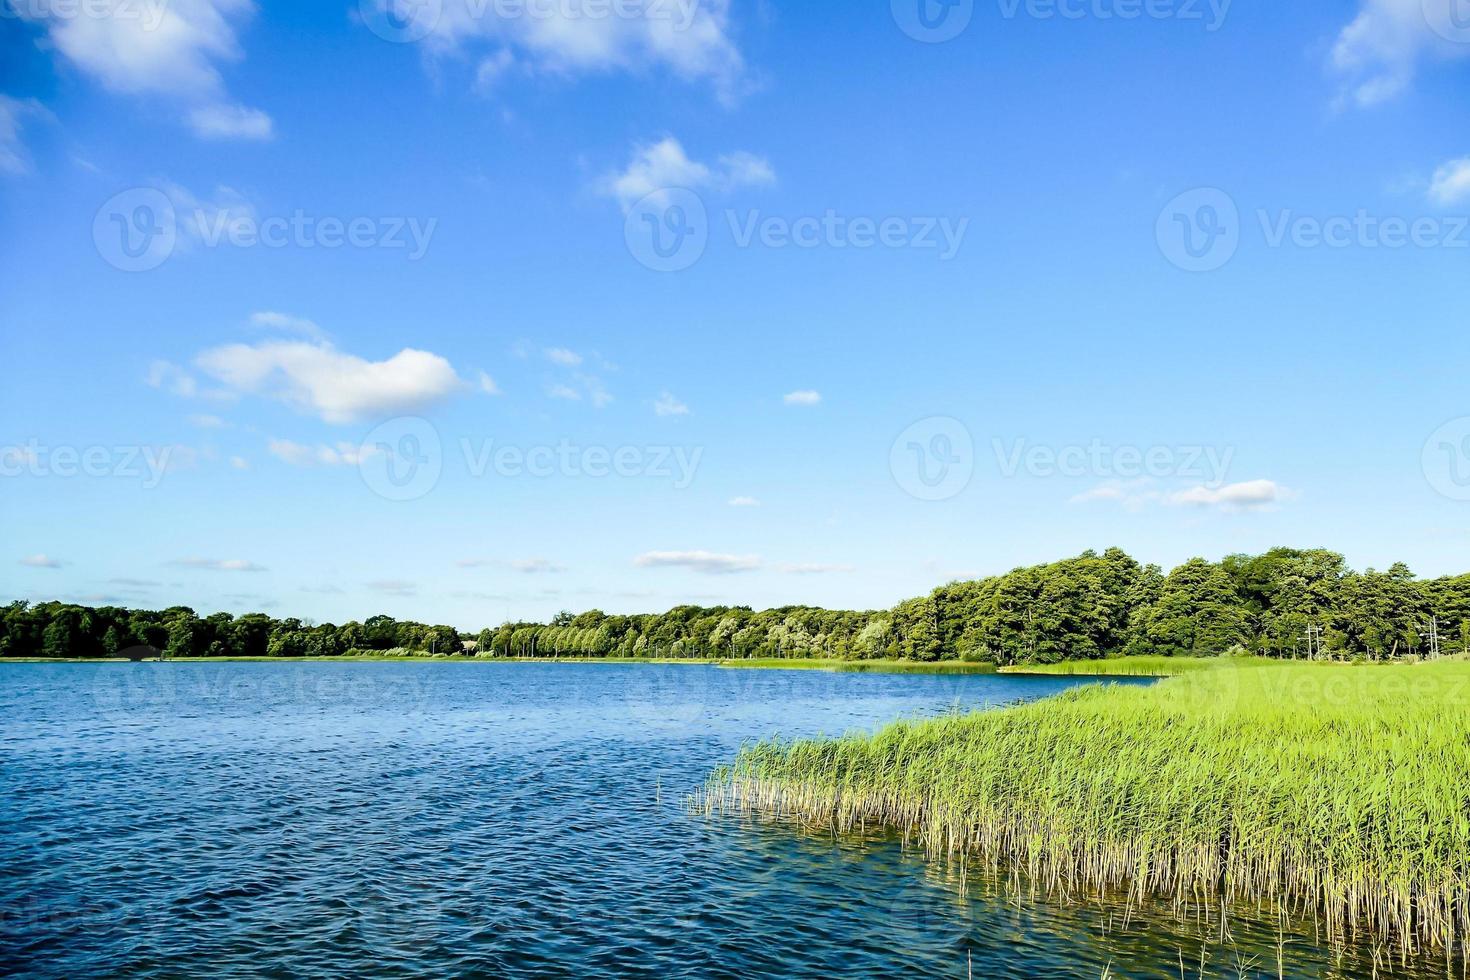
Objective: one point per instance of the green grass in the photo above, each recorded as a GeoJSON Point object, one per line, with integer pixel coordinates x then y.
{"type": "Point", "coordinates": [1335, 789]}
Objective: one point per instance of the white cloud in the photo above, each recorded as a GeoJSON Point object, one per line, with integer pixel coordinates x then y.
{"type": "Point", "coordinates": [492, 69]}
{"type": "Point", "coordinates": [1450, 185]}
{"type": "Point", "coordinates": [664, 166]}
{"type": "Point", "coordinates": [744, 502]}
{"type": "Point", "coordinates": [395, 587]}
{"type": "Point", "coordinates": [297, 454]}
{"type": "Point", "coordinates": [487, 384]}
{"type": "Point", "coordinates": [564, 392]}
{"type": "Point", "coordinates": [1135, 494]}
{"type": "Point", "coordinates": [1379, 53]}
{"type": "Point", "coordinates": [224, 122]}
{"type": "Point", "coordinates": [206, 422]}
{"type": "Point", "coordinates": [1248, 495]}
{"type": "Point", "coordinates": [814, 568]}
{"type": "Point", "coordinates": [41, 561]}
{"type": "Point", "coordinates": [285, 323]}
{"type": "Point", "coordinates": [698, 561]}
{"type": "Point", "coordinates": [336, 386]}
{"type": "Point", "coordinates": [1131, 493]}
{"type": "Point", "coordinates": [691, 39]}
{"type": "Point", "coordinates": [564, 357]}
{"type": "Point", "coordinates": [667, 405]}
{"type": "Point", "coordinates": [806, 397]}
{"type": "Point", "coordinates": [13, 113]}
{"type": "Point", "coordinates": [239, 463]}
{"type": "Point", "coordinates": [220, 565]}
{"type": "Point", "coordinates": [536, 566]}
{"type": "Point", "coordinates": [166, 375]}
{"type": "Point", "coordinates": [171, 49]}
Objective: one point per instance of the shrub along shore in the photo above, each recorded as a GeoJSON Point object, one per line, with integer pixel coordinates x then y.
{"type": "Point", "coordinates": [1335, 790]}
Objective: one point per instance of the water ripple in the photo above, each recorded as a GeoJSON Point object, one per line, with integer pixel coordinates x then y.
{"type": "Point", "coordinates": [408, 820]}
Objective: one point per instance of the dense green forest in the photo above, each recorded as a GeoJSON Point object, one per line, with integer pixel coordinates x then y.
{"type": "Point", "coordinates": [1286, 603]}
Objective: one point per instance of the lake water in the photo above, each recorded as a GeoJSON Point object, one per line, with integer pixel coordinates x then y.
{"type": "Point", "coordinates": [503, 820]}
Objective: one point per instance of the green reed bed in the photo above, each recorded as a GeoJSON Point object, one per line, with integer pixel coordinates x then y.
{"type": "Point", "coordinates": [1137, 666]}
{"type": "Point", "coordinates": [1339, 791]}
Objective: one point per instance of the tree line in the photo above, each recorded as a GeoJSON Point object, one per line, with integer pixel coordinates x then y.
{"type": "Point", "coordinates": [1286, 603]}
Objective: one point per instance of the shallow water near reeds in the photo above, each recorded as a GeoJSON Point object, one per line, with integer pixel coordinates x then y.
{"type": "Point", "coordinates": [508, 820]}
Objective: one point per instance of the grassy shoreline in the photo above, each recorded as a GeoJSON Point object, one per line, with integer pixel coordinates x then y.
{"type": "Point", "coordinates": [1334, 789]}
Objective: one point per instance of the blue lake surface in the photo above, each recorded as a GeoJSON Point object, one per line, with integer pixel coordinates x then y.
{"type": "Point", "coordinates": [498, 820]}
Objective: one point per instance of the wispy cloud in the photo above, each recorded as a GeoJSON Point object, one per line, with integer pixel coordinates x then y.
{"type": "Point", "coordinates": [805, 397]}
{"type": "Point", "coordinates": [297, 454]}
{"type": "Point", "coordinates": [744, 502]}
{"type": "Point", "coordinates": [41, 561]}
{"type": "Point", "coordinates": [664, 166]}
{"type": "Point", "coordinates": [394, 587]}
{"type": "Point", "coordinates": [1450, 185]}
{"type": "Point", "coordinates": [705, 562]}
{"type": "Point", "coordinates": [693, 41]}
{"type": "Point", "coordinates": [219, 565]}
{"type": "Point", "coordinates": [814, 568]}
{"type": "Point", "coordinates": [1136, 494]}
{"type": "Point", "coordinates": [221, 121]}
{"type": "Point", "coordinates": [563, 356]}
{"type": "Point", "coordinates": [1379, 53]}
{"type": "Point", "coordinates": [286, 323]}
{"type": "Point", "coordinates": [668, 405]}
{"type": "Point", "coordinates": [13, 116]}
{"type": "Point", "coordinates": [526, 566]}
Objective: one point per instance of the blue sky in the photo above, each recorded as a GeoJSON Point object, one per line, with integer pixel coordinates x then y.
{"type": "Point", "coordinates": [1183, 278]}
